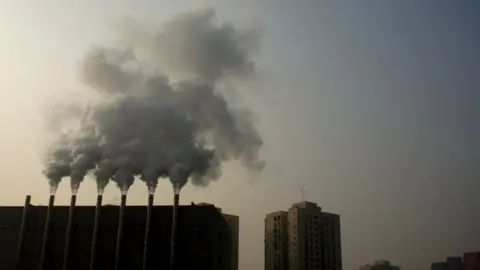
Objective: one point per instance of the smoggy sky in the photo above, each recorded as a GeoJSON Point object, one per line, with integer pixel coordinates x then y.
{"type": "Point", "coordinates": [371, 106]}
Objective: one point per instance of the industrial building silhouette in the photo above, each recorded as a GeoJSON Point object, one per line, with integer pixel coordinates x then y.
{"type": "Point", "coordinates": [203, 238]}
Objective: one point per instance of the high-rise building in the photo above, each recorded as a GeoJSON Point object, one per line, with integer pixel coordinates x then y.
{"type": "Point", "coordinates": [203, 240]}
{"type": "Point", "coordinates": [276, 241]}
{"type": "Point", "coordinates": [303, 238]}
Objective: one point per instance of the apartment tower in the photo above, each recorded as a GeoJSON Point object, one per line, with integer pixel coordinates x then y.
{"type": "Point", "coordinates": [303, 238]}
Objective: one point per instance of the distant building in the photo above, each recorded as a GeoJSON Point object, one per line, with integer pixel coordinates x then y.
{"type": "Point", "coordinates": [303, 238]}
{"type": "Point", "coordinates": [454, 263]}
{"type": "Point", "coordinates": [439, 266]}
{"type": "Point", "coordinates": [380, 265]}
{"type": "Point", "coordinates": [365, 267]}
{"type": "Point", "coordinates": [471, 261]}
{"type": "Point", "coordinates": [203, 240]}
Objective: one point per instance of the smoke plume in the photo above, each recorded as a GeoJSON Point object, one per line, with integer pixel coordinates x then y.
{"type": "Point", "coordinates": [159, 111]}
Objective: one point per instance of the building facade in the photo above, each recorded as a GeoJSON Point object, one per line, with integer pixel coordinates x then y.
{"type": "Point", "coordinates": [452, 263]}
{"type": "Point", "coordinates": [439, 266]}
{"type": "Point", "coordinates": [203, 238]}
{"type": "Point", "coordinates": [469, 261]}
{"type": "Point", "coordinates": [303, 238]}
{"type": "Point", "coordinates": [234, 228]}
{"type": "Point", "coordinates": [276, 241]}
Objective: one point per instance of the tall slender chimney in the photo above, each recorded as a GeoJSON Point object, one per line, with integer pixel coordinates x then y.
{"type": "Point", "coordinates": [120, 231]}
{"type": "Point", "coordinates": [95, 232]}
{"type": "Point", "coordinates": [22, 231]}
{"type": "Point", "coordinates": [45, 232]}
{"type": "Point", "coordinates": [68, 234]}
{"type": "Point", "coordinates": [173, 245]}
{"type": "Point", "coordinates": [147, 231]}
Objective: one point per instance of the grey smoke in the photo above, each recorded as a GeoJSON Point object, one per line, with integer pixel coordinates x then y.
{"type": "Point", "coordinates": [178, 175]}
{"type": "Point", "coordinates": [58, 164]}
{"type": "Point", "coordinates": [192, 44]}
{"type": "Point", "coordinates": [159, 111]}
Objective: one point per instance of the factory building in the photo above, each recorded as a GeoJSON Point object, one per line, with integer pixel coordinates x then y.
{"type": "Point", "coordinates": [234, 228]}
{"type": "Point", "coordinates": [233, 225]}
{"type": "Point", "coordinates": [203, 238]}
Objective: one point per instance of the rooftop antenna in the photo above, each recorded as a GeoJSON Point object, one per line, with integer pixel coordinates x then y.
{"type": "Point", "coordinates": [303, 193]}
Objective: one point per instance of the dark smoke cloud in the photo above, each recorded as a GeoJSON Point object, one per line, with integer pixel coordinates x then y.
{"type": "Point", "coordinates": [146, 124]}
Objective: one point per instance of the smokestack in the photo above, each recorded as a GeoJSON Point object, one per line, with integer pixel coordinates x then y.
{"type": "Point", "coordinates": [147, 231]}
{"type": "Point", "coordinates": [120, 231]}
{"type": "Point", "coordinates": [68, 236]}
{"type": "Point", "coordinates": [95, 232]}
{"type": "Point", "coordinates": [22, 230]}
{"type": "Point", "coordinates": [45, 233]}
{"type": "Point", "coordinates": [173, 245]}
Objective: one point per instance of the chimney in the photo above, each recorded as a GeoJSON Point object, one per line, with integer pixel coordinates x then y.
{"type": "Point", "coordinates": [68, 234]}
{"type": "Point", "coordinates": [22, 231]}
{"type": "Point", "coordinates": [147, 231]}
{"type": "Point", "coordinates": [120, 231]}
{"type": "Point", "coordinates": [173, 245]}
{"type": "Point", "coordinates": [95, 232]}
{"type": "Point", "coordinates": [45, 232]}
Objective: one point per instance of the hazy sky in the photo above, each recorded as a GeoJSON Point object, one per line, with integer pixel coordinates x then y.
{"type": "Point", "coordinates": [372, 106]}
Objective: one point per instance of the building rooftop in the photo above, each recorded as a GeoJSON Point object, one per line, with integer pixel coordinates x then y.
{"type": "Point", "coordinates": [305, 204]}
